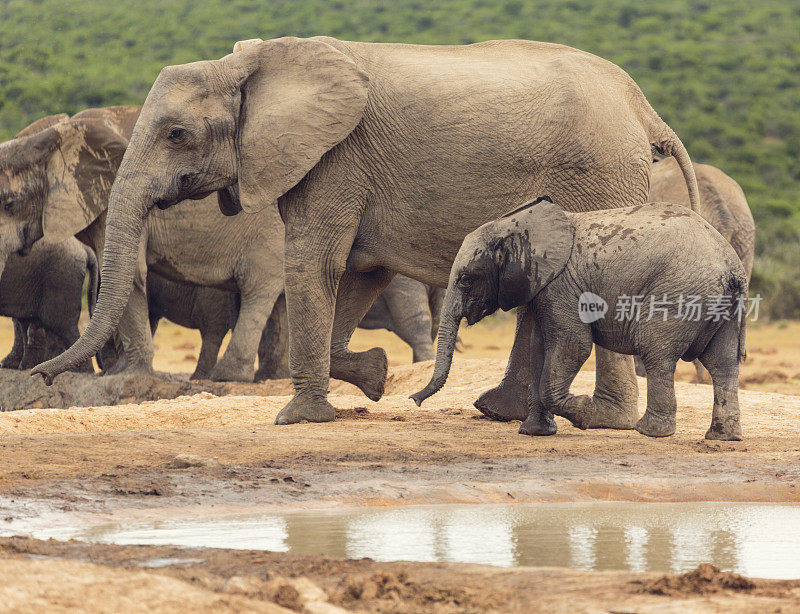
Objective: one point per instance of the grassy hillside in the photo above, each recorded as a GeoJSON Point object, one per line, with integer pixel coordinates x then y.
{"type": "Point", "coordinates": [725, 75]}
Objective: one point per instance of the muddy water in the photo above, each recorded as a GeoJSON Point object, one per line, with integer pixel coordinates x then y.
{"type": "Point", "coordinates": [760, 540]}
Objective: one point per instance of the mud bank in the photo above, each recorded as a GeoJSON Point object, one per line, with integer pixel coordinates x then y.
{"type": "Point", "coordinates": [80, 577]}
{"type": "Point", "coordinates": [206, 453]}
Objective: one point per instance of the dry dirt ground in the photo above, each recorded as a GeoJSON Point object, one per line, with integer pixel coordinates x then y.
{"type": "Point", "coordinates": [210, 453]}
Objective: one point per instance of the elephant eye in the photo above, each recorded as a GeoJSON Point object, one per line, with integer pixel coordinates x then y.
{"type": "Point", "coordinates": [8, 205]}
{"type": "Point", "coordinates": [465, 281]}
{"type": "Point", "coordinates": [175, 134]}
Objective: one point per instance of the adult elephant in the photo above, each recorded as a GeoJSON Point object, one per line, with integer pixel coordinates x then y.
{"type": "Point", "coordinates": [382, 158]}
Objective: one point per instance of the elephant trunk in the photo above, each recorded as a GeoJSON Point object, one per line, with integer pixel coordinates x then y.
{"type": "Point", "coordinates": [123, 233]}
{"type": "Point", "coordinates": [448, 335]}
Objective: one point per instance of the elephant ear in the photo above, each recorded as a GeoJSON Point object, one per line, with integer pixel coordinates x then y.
{"type": "Point", "coordinates": [42, 124]}
{"type": "Point", "coordinates": [80, 171]}
{"type": "Point", "coordinates": [299, 98]}
{"type": "Point", "coordinates": [533, 253]}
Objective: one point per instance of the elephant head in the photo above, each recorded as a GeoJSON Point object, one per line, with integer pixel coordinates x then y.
{"type": "Point", "coordinates": [502, 264]}
{"type": "Point", "coordinates": [55, 177]}
{"type": "Point", "coordinates": [249, 126]}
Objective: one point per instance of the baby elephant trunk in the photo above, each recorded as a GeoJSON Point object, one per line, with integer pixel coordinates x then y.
{"type": "Point", "coordinates": [448, 335]}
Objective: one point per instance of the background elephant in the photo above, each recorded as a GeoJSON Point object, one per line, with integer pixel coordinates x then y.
{"type": "Point", "coordinates": [382, 158]}
{"type": "Point", "coordinates": [409, 309]}
{"type": "Point", "coordinates": [59, 176]}
{"type": "Point", "coordinates": [722, 204]}
{"type": "Point", "coordinates": [214, 312]}
{"type": "Point", "coordinates": [42, 292]}
{"type": "Point", "coordinates": [551, 260]}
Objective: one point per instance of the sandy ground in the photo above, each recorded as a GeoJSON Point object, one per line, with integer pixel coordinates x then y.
{"type": "Point", "coordinates": [205, 453]}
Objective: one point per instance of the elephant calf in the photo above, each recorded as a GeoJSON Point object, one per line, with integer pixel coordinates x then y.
{"type": "Point", "coordinates": [42, 292]}
{"type": "Point", "coordinates": [676, 283]}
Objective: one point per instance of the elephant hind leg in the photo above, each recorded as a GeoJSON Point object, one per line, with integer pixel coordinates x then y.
{"type": "Point", "coordinates": [407, 301]}
{"type": "Point", "coordinates": [616, 392]}
{"type": "Point", "coordinates": [722, 361]}
{"type": "Point", "coordinates": [659, 418]}
{"type": "Point", "coordinates": [367, 370]}
{"type": "Point", "coordinates": [273, 349]}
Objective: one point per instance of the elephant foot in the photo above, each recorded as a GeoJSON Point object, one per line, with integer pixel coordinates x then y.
{"type": "Point", "coordinates": [609, 414]}
{"type": "Point", "coordinates": [280, 371]}
{"type": "Point", "coordinates": [727, 430]}
{"type": "Point", "coordinates": [367, 370]}
{"type": "Point", "coordinates": [199, 375]}
{"type": "Point", "coordinates": [579, 410]}
{"type": "Point", "coordinates": [423, 354]}
{"type": "Point", "coordinates": [538, 423]}
{"type": "Point", "coordinates": [654, 425]}
{"type": "Point", "coordinates": [308, 409]}
{"type": "Point", "coordinates": [232, 371]}
{"type": "Point", "coordinates": [85, 367]}
{"type": "Point", "coordinates": [508, 401]}
{"type": "Point", "coordinates": [123, 365]}
{"type": "Point", "coordinates": [9, 364]}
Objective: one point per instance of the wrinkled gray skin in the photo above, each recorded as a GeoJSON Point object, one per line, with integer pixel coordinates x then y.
{"type": "Point", "coordinates": [547, 258]}
{"type": "Point", "coordinates": [722, 204]}
{"type": "Point", "coordinates": [403, 308]}
{"type": "Point", "coordinates": [382, 158]}
{"type": "Point", "coordinates": [58, 179]}
{"type": "Point", "coordinates": [42, 292]}
{"type": "Point", "coordinates": [409, 309]}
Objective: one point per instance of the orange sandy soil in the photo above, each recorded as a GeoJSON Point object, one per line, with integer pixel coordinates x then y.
{"type": "Point", "coordinates": [190, 454]}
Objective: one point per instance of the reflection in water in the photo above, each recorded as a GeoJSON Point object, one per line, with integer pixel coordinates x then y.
{"type": "Point", "coordinates": [755, 539]}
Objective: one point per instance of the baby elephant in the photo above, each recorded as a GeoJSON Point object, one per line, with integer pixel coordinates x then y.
{"type": "Point", "coordinates": [653, 280]}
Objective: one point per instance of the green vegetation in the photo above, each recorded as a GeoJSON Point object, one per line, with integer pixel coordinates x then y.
{"type": "Point", "coordinates": [725, 75]}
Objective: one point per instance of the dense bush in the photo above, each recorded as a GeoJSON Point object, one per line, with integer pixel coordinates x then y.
{"type": "Point", "coordinates": [725, 75]}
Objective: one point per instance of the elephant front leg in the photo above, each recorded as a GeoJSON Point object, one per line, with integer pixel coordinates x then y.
{"type": "Point", "coordinates": [236, 364]}
{"type": "Point", "coordinates": [540, 420]}
{"type": "Point", "coordinates": [509, 400]}
{"type": "Point", "coordinates": [211, 340]}
{"type": "Point", "coordinates": [616, 392]}
{"type": "Point", "coordinates": [367, 370]}
{"type": "Point", "coordinates": [563, 359]}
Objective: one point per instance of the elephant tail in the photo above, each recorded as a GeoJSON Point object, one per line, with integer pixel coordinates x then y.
{"type": "Point", "coordinates": [94, 278]}
{"type": "Point", "coordinates": [740, 292]}
{"type": "Point", "coordinates": [664, 140]}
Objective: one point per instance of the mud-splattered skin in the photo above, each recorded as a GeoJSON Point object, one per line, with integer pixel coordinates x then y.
{"type": "Point", "coordinates": [722, 204]}
{"type": "Point", "coordinates": [548, 258]}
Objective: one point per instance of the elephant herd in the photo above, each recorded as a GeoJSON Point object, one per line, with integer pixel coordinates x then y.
{"type": "Point", "coordinates": [300, 187]}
